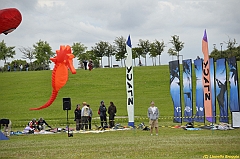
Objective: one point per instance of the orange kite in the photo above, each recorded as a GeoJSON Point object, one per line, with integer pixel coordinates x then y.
{"type": "Point", "coordinates": [63, 61]}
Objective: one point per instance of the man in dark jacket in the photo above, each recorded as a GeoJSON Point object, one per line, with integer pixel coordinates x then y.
{"type": "Point", "coordinates": [112, 110]}
{"type": "Point", "coordinates": [77, 113]}
{"type": "Point", "coordinates": [103, 115]}
{"type": "Point", "coordinates": [41, 124]}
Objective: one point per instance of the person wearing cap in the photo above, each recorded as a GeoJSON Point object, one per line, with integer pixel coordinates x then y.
{"type": "Point", "coordinates": [153, 115]}
{"type": "Point", "coordinates": [77, 119]}
{"type": "Point", "coordinates": [103, 114]}
{"type": "Point", "coordinates": [84, 116]}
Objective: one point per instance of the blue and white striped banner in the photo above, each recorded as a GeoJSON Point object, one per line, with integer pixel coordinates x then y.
{"type": "Point", "coordinates": [187, 90]}
{"type": "Point", "coordinates": [199, 116]}
{"type": "Point", "coordinates": [175, 90]}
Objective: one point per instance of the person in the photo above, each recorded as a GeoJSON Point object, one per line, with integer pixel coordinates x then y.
{"type": "Point", "coordinates": [103, 115]}
{"type": "Point", "coordinates": [90, 65]}
{"type": "Point", "coordinates": [33, 124]}
{"type": "Point", "coordinates": [153, 115]}
{"type": "Point", "coordinates": [41, 124]}
{"type": "Point", "coordinates": [9, 68]}
{"type": "Point", "coordinates": [7, 124]}
{"type": "Point", "coordinates": [27, 66]}
{"type": "Point", "coordinates": [90, 117]}
{"type": "Point", "coordinates": [85, 64]}
{"type": "Point", "coordinates": [77, 119]}
{"type": "Point", "coordinates": [85, 116]}
{"type": "Point", "coordinates": [112, 110]}
{"type": "Point", "coordinates": [15, 66]}
{"type": "Point", "coordinates": [140, 63]}
{"type": "Point", "coordinates": [21, 67]}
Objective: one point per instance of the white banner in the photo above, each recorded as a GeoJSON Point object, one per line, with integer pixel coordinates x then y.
{"type": "Point", "coordinates": [129, 83]}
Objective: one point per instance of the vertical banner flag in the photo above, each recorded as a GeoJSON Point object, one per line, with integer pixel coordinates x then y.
{"type": "Point", "coordinates": [221, 89]}
{"type": "Point", "coordinates": [233, 81]}
{"type": "Point", "coordinates": [129, 83]}
{"type": "Point", "coordinates": [206, 80]}
{"type": "Point", "coordinates": [175, 90]}
{"type": "Point", "coordinates": [212, 79]}
{"type": "Point", "coordinates": [199, 116]}
{"type": "Point", "coordinates": [187, 90]}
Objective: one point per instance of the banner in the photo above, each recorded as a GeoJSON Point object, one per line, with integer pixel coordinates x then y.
{"type": "Point", "coordinates": [221, 89]}
{"type": "Point", "coordinates": [129, 83]}
{"type": "Point", "coordinates": [175, 90]}
{"type": "Point", "coordinates": [233, 82]}
{"type": "Point", "coordinates": [199, 116]}
{"type": "Point", "coordinates": [187, 90]}
{"type": "Point", "coordinates": [206, 80]}
{"type": "Point", "coordinates": [212, 79]}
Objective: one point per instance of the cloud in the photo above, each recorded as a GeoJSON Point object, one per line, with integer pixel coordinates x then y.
{"type": "Point", "coordinates": [64, 22]}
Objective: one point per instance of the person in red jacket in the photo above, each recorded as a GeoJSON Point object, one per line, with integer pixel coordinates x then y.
{"type": "Point", "coordinates": [90, 65]}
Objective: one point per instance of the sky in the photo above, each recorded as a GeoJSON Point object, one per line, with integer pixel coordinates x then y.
{"type": "Point", "coordinates": [64, 22]}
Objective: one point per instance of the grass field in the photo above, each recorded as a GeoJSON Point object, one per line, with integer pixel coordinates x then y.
{"type": "Point", "coordinates": [20, 91]}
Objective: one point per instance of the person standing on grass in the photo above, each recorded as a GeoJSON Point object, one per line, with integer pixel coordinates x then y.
{"type": "Point", "coordinates": [90, 118]}
{"type": "Point", "coordinates": [85, 116]}
{"type": "Point", "coordinates": [153, 115]}
{"type": "Point", "coordinates": [77, 119]}
{"type": "Point", "coordinates": [15, 66]}
{"type": "Point", "coordinates": [103, 114]}
{"type": "Point", "coordinates": [112, 110]}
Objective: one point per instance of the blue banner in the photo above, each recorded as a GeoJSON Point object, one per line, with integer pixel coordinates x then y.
{"type": "Point", "coordinates": [233, 82]}
{"type": "Point", "coordinates": [175, 90]}
{"type": "Point", "coordinates": [199, 116]}
{"type": "Point", "coordinates": [212, 78]}
{"type": "Point", "coordinates": [187, 90]}
{"type": "Point", "coordinates": [221, 89]}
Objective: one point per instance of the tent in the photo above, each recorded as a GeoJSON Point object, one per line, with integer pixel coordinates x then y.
{"type": "Point", "coordinates": [3, 137]}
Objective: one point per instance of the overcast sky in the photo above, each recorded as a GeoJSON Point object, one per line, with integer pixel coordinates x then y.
{"type": "Point", "coordinates": [64, 22]}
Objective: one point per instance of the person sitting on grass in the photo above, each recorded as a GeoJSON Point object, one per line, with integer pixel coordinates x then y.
{"type": "Point", "coordinates": [41, 124]}
{"type": "Point", "coordinates": [7, 124]}
{"type": "Point", "coordinates": [33, 124]}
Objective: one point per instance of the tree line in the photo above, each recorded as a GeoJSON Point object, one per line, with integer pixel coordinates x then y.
{"type": "Point", "coordinates": [39, 54]}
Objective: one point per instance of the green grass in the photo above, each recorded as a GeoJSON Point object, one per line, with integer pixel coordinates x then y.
{"type": "Point", "coordinates": [20, 91]}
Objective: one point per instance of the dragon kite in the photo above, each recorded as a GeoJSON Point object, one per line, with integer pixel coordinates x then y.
{"type": "Point", "coordinates": [63, 61]}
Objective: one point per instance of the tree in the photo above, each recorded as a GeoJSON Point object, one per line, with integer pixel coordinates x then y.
{"type": "Point", "coordinates": [138, 52]}
{"type": "Point", "coordinates": [91, 55]}
{"type": "Point", "coordinates": [78, 50]}
{"type": "Point", "coordinates": [145, 48]}
{"type": "Point", "coordinates": [153, 53]}
{"type": "Point", "coordinates": [158, 48]}
{"type": "Point", "coordinates": [27, 53]}
{"type": "Point", "coordinates": [177, 46]}
{"type": "Point", "coordinates": [215, 54]}
{"type": "Point", "coordinates": [6, 52]}
{"type": "Point", "coordinates": [120, 45]}
{"type": "Point", "coordinates": [230, 45]}
{"type": "Point", "coordinates": [43, 52]}
{"type": "Point", "coordinates": [111, 51]}
{"type": "Point", "coordinates": [100, 49]}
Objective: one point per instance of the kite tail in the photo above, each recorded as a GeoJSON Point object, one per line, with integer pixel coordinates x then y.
{"type": "Point", "coordinates": [50, 101]}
